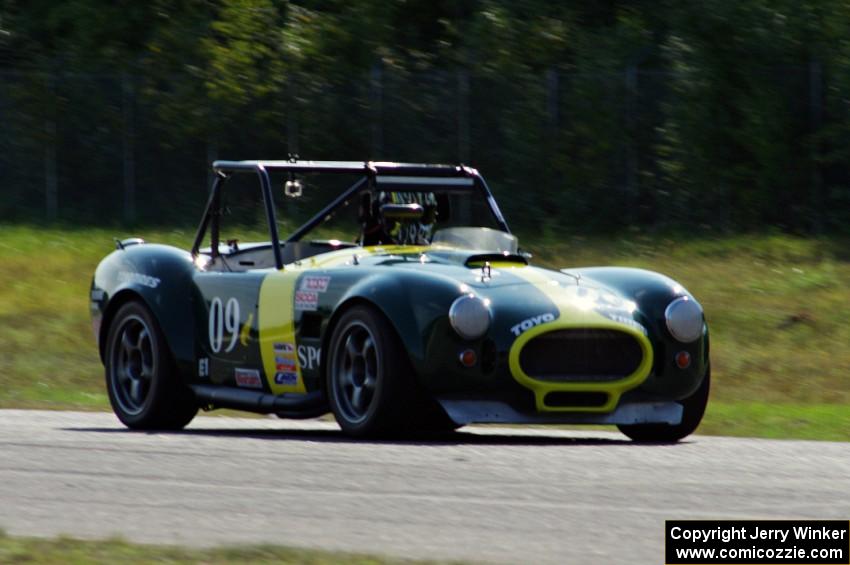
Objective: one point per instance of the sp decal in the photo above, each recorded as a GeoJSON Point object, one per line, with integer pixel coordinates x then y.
{"type": "Point", "coordinates": [308, 356]}
{"type": "Point", "coordinates": [526, 325]}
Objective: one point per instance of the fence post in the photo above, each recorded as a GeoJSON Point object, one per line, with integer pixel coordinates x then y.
{"type": "Point", "coordinates": [51, 181]}
{"type": "Point", "coordinates": [127, 104]}
{"type": "Point", "coordinates": [376, 95]}
{"type": "Point", "coordinates": [815, 121]}
{"type": "Point", "coordinates": [463, 151]}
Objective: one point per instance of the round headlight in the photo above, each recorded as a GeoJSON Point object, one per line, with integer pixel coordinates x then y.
{"type": "Point", "coordinates": [684, 319]}
{"type": "Point", "coordinates": [470, 316]}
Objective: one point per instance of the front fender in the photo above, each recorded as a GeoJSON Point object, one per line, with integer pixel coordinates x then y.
{"type": "Point", "coordinates": [160, 276]}
{"type": "Point", "coordinates": [652, 292]}
{"type": "Point", "coordinates": [412, 303]}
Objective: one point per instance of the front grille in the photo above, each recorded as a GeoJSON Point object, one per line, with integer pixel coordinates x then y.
{"type": "Point", "coordinates": [581, 355]}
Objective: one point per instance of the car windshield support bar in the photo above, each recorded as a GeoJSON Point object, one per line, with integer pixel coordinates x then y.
{"type": "Point", "coordinates": [491, 201]}
{"type": "Point", "coordinates": [209, 211]}
{"type": "Point", "coordinates": [323, 213]}
{"type": "Point", "coordinates": [213, 212]}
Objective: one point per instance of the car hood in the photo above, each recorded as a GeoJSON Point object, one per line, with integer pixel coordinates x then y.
{"type": "Point", "coordinates": [477, 269]}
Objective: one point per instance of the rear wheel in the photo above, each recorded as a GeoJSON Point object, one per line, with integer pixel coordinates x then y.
{"type": "Point", "coordinates": [693, 408]}
{"type": "Point", "coordinates": [143, 385]}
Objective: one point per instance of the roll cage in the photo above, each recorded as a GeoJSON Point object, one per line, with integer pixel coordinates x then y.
{"type": "Point", "coordinates": [375, 176]}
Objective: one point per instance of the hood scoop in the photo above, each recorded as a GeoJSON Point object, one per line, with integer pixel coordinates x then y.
{"type": "Point", "coordinates": [497, 259]}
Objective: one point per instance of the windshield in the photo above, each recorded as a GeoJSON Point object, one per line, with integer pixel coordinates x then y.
{"type": "Point", "coordinates": [382, 217]}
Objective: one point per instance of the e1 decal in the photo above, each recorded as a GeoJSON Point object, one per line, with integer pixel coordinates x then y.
{"type": "Point", "coordinates": [223, 318]}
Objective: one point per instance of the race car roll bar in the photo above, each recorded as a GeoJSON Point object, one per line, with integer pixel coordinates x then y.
{"type": "Point", "coordinates": [397, 177]}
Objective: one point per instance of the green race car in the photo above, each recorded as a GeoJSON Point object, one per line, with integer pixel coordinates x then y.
{"type": "Point", "coordinates": [403, 306]}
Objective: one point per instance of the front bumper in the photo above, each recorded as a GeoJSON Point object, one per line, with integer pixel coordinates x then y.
{"type": "Point", "coordinates": [464, 411]}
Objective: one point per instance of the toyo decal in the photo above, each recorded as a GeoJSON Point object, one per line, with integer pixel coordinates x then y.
{"type": "Point", "coordinates": [531, 322]}
{"type": "Point", "coordinates": [308, 356]}
{"type": "Point", "coordinates": [315, 284]}
{"type": "Point", "coordinates": [249, 378]}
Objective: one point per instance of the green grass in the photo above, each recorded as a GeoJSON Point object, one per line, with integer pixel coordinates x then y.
{"type": "Point", "coordinates": [778, 307]}
{"type": "Point", "coordinates": [68, 551]}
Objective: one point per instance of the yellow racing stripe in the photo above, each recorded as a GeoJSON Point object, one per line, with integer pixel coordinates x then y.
{"type": "Point", "coordinates": [278, 348]}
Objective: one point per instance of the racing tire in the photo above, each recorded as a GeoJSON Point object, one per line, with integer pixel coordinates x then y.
{"type": "Point", "coordinates": [693, 408]}
{"type": "Point", "coordinates": [369, 381]}
{"type": "Point", "coordinates": [141, 378]}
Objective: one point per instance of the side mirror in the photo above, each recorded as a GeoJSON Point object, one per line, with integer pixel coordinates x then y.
{"type": "Point", "coordinates": [402, 212]}
{"type": "Point", "coordinates": [293, 188]}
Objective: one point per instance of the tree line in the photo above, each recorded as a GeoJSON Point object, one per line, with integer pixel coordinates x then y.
{"type": "Point", "coordinates": [592, 115]}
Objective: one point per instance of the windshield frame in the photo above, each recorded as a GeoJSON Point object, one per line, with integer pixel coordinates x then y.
{"type": "Point", "coordinates": [376, 177]}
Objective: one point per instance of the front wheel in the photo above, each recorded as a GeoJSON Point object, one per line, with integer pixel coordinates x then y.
{"type": "Point", "coordinates": [693, 408]}
{"type": "Point", "coordinates": [368, 375]}
{"type": "Point", "coordinates": [142, 382]}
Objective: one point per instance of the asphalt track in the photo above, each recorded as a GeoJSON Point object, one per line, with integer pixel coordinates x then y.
{"type": "Point", "coordinates": [483, 494]}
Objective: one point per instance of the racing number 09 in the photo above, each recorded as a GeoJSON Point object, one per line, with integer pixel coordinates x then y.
{"type": "Point", "coordinates": [223, 318]}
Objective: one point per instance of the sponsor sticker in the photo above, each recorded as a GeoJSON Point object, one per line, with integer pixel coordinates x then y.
{"type": "Point", "coordinates": [248, 378]}
{"type": "Point", "coordinates": [286, 378]}
{"type": "Point", "coordinates": [624, 319]}
{"type": "Point", "coordinates": [204, 367]}
{"type": "Point", "coordinates": [315, 284]}
{"type": "Point", "coordinates": [283, 347]}
{"type": "Point", "coordinates": [284, 364]}
{"type": "Point", "coordinates": [529, 323]}
{"type": "Point", "coordinates": [306, 300]}
{"type": "Point", "coordinates": [138, 278]}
